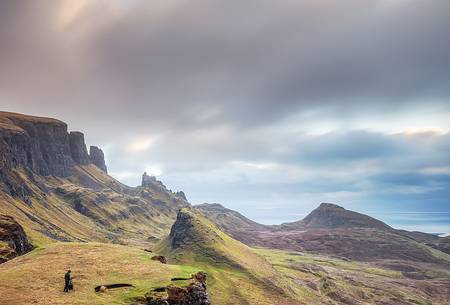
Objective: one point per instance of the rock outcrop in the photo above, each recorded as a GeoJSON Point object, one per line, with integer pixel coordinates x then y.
{"type": "Point", "coordinates": [98, 158]}
{"type": "Point", "coordinates": [42, 146]}
{"type": "Point", "coordinates": [38, 144]}
{"type": "Point", "coordinates": [13, 240]}
{"type": "Point", "coordinates": [189, 230]}
{"type": "Point", "coordinates": [193, 294]}
{"type": "Point", "coordinates": [150, 181]}
{"type": "Point", "coordinates": [160, 258]}
{"type": "Point", "coordinates": [78, 148]}
{"type": "Point", "coordinates": [181, 195]}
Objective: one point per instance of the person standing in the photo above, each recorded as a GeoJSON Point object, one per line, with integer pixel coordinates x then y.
{"type": "Point", "coordinates": [67, 281]}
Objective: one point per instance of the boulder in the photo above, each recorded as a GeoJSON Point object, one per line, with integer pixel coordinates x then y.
{"type": "Point", "coordinates": [193, 294]}
{"type": "Point", "coordinates": [156, 298]}
{"type": "Point", "coordinates": [199, 277]}
{"type": "Point", "coordinates": [13, 240]}
{"type": "Point", "coordinates": [160, 258]}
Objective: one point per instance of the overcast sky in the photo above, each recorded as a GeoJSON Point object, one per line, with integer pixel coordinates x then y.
{"type": "Point", "coordinates": [268, 107]}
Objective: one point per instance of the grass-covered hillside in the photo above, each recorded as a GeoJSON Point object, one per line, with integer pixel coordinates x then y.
{"type": "Point", "coordinates": [91, 206]}
{"type": "Point", "coordinates": [38, 277]}
{"type": "Point", "coordinates": [238, 275]}
{"type": "Point", "coordinates": [250, 276]}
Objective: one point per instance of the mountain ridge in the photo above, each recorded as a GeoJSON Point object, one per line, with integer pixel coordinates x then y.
{"type": "Point", "coordinates": [59, 191]}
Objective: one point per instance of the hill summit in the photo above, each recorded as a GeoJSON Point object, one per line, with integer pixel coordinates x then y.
{"type": "Point", "coordinates": [195, 238]}
{"type": "Point", "coordinates": [332, 216]}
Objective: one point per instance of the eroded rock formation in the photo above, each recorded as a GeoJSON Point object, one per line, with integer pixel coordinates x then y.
{"type": "Point", "coordinates": [181, 195]}
{"type": "Point", "coordinates": [38, 144]}
{"type": "Point", "coordinates": [98, 158]}
{"type": "Point", "coordinates": [41, 146]}
{"type": "Point", "coordinates": [13, 240]}
{"type": "Point", "coordinates": [78, 148]}
{"type": "Point", "coordinates": [193, 294]}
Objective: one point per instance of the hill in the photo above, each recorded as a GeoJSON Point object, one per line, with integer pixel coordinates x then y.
{"type": "Point", "coordinates": [232, 265]}
{"type": "Point", "coordinates": [334, 231]}
{"type": "Point", "coordinates": [254, 276]}
{"type": "Point", "coordinates": [58, 201]}
{"type": "Point", "coordinates": [58, 191]}
{"type": "Point", "coordinates": [332, 216]}
{"type": "Point", "coordinates": [228, 220]}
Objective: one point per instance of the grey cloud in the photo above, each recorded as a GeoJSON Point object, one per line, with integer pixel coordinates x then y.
{"type": "Point", "coordinates": [256, 60]}
{"type": "Point", "coordinates": [216, 81]}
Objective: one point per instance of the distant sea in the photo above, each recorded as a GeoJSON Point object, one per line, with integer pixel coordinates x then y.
{"type": "Point", "coordinates": [429, 222]}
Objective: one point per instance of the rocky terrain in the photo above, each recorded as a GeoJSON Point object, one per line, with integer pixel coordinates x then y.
{"type": "Point", "coordinates": [57, 198]}
{"type": "Point", "coordinates": [193, 294]}
{"type": "Point", "coordinates": [13, 240]}
{"type": "Point", "coordinates": [58, 191]}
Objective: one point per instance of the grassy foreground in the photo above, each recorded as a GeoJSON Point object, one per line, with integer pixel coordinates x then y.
{"type": "Point", "coordinates": [37, 278]}
{"type": "Point", "coordinates": [294, 278]}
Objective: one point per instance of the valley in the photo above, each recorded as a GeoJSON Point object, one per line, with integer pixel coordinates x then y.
{"type": "Point", "coordinates": [59, 210]}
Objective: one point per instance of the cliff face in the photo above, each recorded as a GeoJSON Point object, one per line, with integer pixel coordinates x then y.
{"type": "Point", "coordinates": [78, 150]}
{"type": "Point", "coordinates": [98, 158]}
{"type": "Point", "coordinates": [56, 188]}
{"type": "Point", "coordinates": [41, 145]}
{"type": "Point", "coordinates": [38, 144]}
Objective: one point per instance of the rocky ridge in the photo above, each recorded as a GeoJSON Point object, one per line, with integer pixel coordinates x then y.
{"type": "Point", "coordinates": [42, 145]}
{"type": "Point", "coordinates": [54, 187]}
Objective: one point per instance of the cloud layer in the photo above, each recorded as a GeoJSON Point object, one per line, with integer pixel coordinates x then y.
{"type": "Point", "coordinates": [267, 106]}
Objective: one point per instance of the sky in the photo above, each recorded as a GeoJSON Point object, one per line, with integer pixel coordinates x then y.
{"type": "Point", "coordinates": [267, 107]}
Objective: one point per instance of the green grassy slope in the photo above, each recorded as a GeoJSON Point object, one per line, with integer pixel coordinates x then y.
{"type": "Point", "coordinates": [237, 274]}
{"type": "Point", "coordinates": [232, 266]}
{"type": "Point", "coordinates": [37, 277]}
{"type": "Point", "coordinates": [336, 281]}
{"type": "Point", "coordinates": [91, 206]}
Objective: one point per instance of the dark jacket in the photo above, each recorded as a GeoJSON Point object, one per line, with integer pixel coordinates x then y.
{"type": "Point", "coordinates": [67, 277]}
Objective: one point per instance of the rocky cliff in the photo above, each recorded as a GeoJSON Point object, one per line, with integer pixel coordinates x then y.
{"type": "Point", "coordinates": [42, 146]}
{"type": "Point", "coordinates": [98, 158]}
{"type": "Point", "coordinates": [60, 191]}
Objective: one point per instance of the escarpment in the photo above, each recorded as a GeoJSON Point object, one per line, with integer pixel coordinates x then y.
{"type": "Point", "coordinates": [42, 146]}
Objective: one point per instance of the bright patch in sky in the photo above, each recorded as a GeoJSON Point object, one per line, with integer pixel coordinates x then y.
{"type": "Point", "coordinates": [140, 144]}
